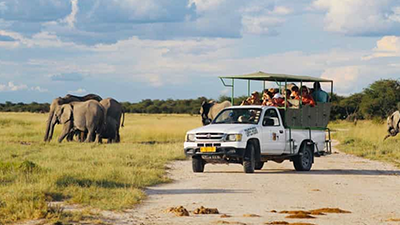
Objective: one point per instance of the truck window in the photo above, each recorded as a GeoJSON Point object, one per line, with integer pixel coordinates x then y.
{"type": "Point", "coordinates": [237, 116]}
{"type": "Point", "coordinates": [271, 118]}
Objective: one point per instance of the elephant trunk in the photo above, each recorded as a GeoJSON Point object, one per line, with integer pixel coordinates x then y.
{"type": "Point", "coordinates": [48, 126]}
{"type": "Point", "coordinates": [51, 131]}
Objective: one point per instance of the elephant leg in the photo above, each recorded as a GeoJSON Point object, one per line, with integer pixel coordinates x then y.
{"type": "Point", "coordinates": [83, 135]}
{"type": "Point", "coordinates": [90, 136]}
{"type": "Point", "coordinates": [65, 131]}
{"type": "Point", "coordinates": [117, 137]}
{"type": "Point", "coordinates": [70, 136]}
{"type": "Point", "coordinates": [109, 140]}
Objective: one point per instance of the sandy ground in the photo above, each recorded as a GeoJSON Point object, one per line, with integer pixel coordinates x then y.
{"type": "Point", "coordinates": [369, 189]}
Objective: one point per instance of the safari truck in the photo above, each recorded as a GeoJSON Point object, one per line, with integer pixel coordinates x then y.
{"type": "Point", "coordinates": [253, 134]}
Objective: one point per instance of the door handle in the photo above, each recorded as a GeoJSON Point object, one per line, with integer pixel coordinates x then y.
{"type": "Point", "coordinates": [281, 131]}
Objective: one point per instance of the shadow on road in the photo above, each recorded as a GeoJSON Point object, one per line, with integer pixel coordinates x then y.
{"type": "Point", "coordinates": [193, 191]}
{"type": "Point", "coordinates": [322, 172]}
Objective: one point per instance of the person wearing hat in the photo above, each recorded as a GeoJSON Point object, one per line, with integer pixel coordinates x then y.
{"type": "Point", "coordinates": [278, 100]}
{"type": "Point", "coordinates": [254, 99]}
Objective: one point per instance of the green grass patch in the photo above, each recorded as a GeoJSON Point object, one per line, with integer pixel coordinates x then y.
{"type": "Point", "coordinates": [109, 177]}
{"type": "Point", "coordinates": [366, 140]}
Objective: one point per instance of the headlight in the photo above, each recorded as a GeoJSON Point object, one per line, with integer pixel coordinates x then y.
{"type": "Point", "coordinates": [234, 137]}
{"type": "Point", "coordinates": [190, 137]}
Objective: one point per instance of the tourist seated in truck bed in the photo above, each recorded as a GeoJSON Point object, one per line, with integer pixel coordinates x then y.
{"type": "Point", "coordinates": [318, 94]}
{"type": "Point", "coordinates": [306, 97]}
{"type": "Point", "coordinates": [254, 99]}
{"type": "Point", "coordinates": [267, 96]}
{"type": "Point", "coordinates": [295, 93]}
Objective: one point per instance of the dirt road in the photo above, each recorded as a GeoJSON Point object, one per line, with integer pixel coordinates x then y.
{"type": "Point", "coordinates": [369, 189]}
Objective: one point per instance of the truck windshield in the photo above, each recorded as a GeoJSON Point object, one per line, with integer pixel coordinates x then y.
{"type": "Point", "coordinates": [233, 116]}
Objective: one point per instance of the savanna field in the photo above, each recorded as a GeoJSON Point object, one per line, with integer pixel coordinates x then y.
{"type": "Point", "coordinates": [111, 177]}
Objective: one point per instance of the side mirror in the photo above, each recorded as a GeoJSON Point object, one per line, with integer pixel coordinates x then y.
{"type": "Point", "coordinates": [268, 122]}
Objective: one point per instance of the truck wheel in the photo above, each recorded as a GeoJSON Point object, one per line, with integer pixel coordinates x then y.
{"type": "Point", "coordinates": [197, 164]}
{"type": "Point", "coordinates": [304, 161]}
{"type": "Point", "coordinates": [259, 165]}
{"type": "Point", "coordinates": [249, 160]}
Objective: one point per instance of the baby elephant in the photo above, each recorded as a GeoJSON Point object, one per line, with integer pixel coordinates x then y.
{"type": "Point", "coordinates": [86, 116]}
{"type": "Point", "coordinates": [393, 123]}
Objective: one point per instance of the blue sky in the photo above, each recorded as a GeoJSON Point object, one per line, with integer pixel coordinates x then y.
{"type": "Point", "coordinates": [158, 49]}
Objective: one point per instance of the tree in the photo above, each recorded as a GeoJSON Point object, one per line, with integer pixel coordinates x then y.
{"type": "Point", "coordinates": [351, 104]}
{"type": "Point", "coordinates": [380, 99]}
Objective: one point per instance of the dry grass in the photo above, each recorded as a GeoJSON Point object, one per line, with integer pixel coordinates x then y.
{"type": "Point", "coordinates": [366, 140]}
{"type": "Point", "coordinates": [33, 173]}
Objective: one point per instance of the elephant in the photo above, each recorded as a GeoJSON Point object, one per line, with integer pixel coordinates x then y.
{"type": "Point", "coordinates": [56, 104]}
{"type": "Point", "coordinates": [88, 116]}
{"type": "Point", "coordinates": [209, 110]}
{"type": "Point", "coordinates": [393, 123]}
{"type": "Point", "coordinates": [114, 112]}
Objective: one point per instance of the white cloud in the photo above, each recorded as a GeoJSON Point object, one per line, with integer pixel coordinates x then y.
{"type": "Point", "coordinates": [39, 89]}
{"type": "Point", "coordinates": [260, 25]}
{"type": "Point", "coordinates": [10, 86]}
{"type": "Point", "coordinates": [71, 18]}
{"type": "Point", "coordinates": [260, 19]}
{"type": "Point", "coordinates": [388, 46]}
{"type": "Point", "coordinates": [360, 17]}
{"type": "Point", "coordinates": [206, 5]}
{"type": "Point", "coordinates": [345, 78]}
{"type": "Point", "coordinates": [78, 91]}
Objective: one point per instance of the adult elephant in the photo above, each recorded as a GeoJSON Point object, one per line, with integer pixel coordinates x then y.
{"type": "Point", "coordinates": [88, 116]}
{"type": "Point", "coordinates": [114, 112]}
{"type": "Point", "coordinates": [209, 110]}
{"type": "Point", "coordinates": [393, 123]}
{"type": "Point", "coordinates": [57, 103]}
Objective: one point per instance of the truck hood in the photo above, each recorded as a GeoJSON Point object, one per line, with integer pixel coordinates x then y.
{"type": "Point", "coordinates": [222, 128]}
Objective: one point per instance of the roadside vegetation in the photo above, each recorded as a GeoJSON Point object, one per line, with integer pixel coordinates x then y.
{"type": "Point", "coordinates": [365, 139]}
{"type": "Point", "coordinates": [111, 177]}
{"type": "Point", "coordinates": [379, 100]}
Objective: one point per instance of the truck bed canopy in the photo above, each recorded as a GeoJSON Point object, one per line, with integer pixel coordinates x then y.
{"type": "Point", "coordinates": [261, 76]}
{"type": "Point", "coordinates": [303, 117]}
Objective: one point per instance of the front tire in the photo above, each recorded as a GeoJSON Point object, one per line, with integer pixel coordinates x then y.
{"type": "Point", "coordinates": [259, 165]}
{"type": "Point", "coordinates": [304, 161]}
{"type": "Point", "coordinates": [197, 164]}
{"type": "Point", "coordinates": [249, 161]}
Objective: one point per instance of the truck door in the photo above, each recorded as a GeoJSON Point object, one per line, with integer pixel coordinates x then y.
{"type": "Point", "coordinates": [273, 133]}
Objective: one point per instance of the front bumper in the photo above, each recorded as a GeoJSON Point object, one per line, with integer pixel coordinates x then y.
{"type": "Point", "coordinates": [222, 152]}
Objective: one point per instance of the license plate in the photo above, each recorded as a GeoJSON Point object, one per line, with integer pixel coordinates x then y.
{"type": "Point", "coordinates": [208, 149]}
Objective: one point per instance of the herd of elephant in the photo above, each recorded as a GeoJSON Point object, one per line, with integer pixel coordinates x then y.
{"type": "Point", "coordinates": [90, 118]}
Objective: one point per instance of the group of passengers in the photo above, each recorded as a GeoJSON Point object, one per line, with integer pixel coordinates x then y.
{"type": "Point", "coordinates": [272, 97]}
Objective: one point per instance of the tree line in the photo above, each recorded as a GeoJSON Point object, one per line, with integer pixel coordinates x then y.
{"type": "Point", "coordinates": [376, 101]}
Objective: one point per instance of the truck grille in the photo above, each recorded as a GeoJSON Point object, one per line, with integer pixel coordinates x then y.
{"type": "Point", "coordinates": [209, 136]}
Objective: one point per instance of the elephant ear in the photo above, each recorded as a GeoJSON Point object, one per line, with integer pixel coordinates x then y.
{"type": "Point", "coordinates": [396, 120]}
{"type": "Point", "coordinates": [66, 114]}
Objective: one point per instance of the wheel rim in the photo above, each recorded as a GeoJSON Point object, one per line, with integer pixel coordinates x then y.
{"type": "Point", "coordinates": [305, 159]}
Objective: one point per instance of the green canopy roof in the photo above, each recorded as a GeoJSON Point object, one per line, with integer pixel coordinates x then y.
{"type": "Point", "coordinates": [276, 77]}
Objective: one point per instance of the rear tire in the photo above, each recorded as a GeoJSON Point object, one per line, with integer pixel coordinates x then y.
{"type": "Point", "coordinates": [304, 161]}
{"type": "Point", "coordinates": [197, 164]}
{"type": "Point", "coordinates": [259, 165]}
{"type": "Point", "coordinates": [249, 160]}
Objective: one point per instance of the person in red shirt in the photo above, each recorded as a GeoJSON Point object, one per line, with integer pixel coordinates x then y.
{"type": "Point", "coordinates": [307, 99]}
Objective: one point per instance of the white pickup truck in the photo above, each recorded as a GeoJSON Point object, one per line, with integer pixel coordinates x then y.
{"type": "Point", "coordinates": [251, 136]}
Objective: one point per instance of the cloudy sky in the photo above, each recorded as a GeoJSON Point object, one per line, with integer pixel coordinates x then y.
{"type": "Point", "coordinates": [159, 49]}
